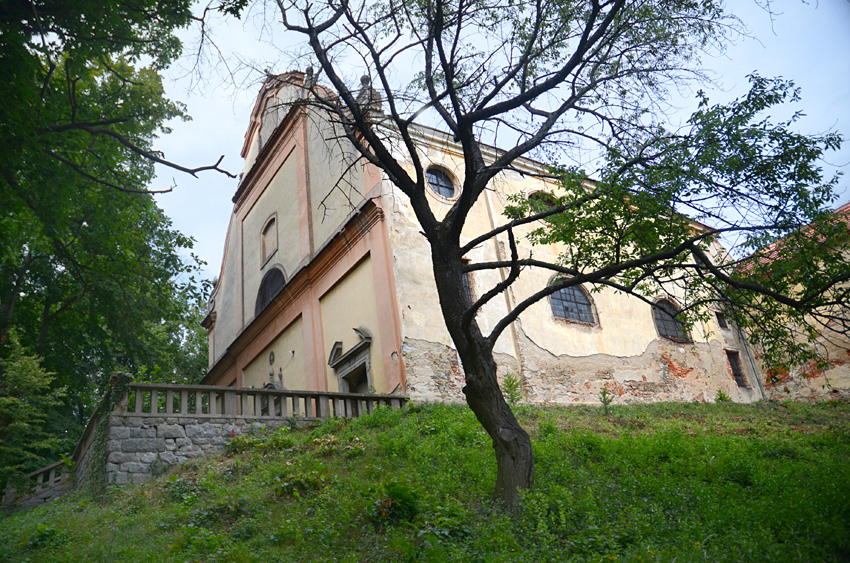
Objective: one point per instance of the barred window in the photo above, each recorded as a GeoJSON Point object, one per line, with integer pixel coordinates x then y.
{"type": "Point", "coordinates": [666, 322]}
{"type": "Point", "coordinates": [573, 304]}
{"type": "Point", "coordinates": [735, 364]}
{"type": "Point", "coordinates": [440, 182]}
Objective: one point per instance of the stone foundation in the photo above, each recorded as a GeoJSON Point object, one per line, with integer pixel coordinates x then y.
{"type": "Point", "coordinates": [665, 371]}
{"type": "Point", "coordinates": [141, 446]}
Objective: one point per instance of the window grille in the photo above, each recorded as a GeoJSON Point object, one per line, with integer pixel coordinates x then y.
{"type": "Point", "coordinates": [440, 182]}
{"type": "Point", "coordinates": [738, 373]}
{"type": "Point", "coordinates": [571, 303]}
{"type": "Point", "coordinates": [667, 323]}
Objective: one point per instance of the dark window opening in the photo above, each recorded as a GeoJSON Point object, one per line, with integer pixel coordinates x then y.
{"type": "Point", "coordinates": [440, 182]}
{"type": "Point", "coordinates": [721, 320]}
{"type": "Point", "coordinates": [738, 373]}
{"type": "Point", "coordinates": [540, 202]}
{"type": "Point", "coordinates": [667, 323]}
{"type": "Point", "coordinates": [271, 285]}
{"type": "Point", "coordinates": [571, 303]}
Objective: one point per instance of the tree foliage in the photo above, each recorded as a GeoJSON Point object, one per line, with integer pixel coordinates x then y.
{"type": "Point", "coordinates": [560, 80]}
{"type": "Point", "coordinates": [26, 399]}
{"type": "Point", "coordinates": [93, 277]}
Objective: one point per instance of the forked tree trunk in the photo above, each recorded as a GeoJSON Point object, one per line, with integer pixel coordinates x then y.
{"type": "Point", "coordinates": [511, 443]}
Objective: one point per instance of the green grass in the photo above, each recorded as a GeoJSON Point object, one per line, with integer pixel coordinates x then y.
{"type": "Point", "coordinates": [664, 482]}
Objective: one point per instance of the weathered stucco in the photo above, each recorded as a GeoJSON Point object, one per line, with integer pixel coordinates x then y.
{"type": "Point", "coordinates": [354, 256]}
{"type": "Point", "coordinates": [289, 360]}
{"type": "Point", "coordinates": [348, 305]}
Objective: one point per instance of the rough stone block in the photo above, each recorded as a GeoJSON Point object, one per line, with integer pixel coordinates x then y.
{"type": "Point", "coordinates": [119, 432]}
{"type": "Point", "coordinates": [148, 457]}
{"type": "Point", "coordinates": [135, 467]}
{"type": "Point", "coordinates": [218, 441]}
{"type": "Point", "coordinates": [143, 445]}
{"type": "Point", "coordinates": [112, 467]}
{"type": "Point", "coordinates": [136, 432]}
{"type": "Point", "coordinates": [116, 420]}
{"type": "Point", "coordinates": [201, 441]}
{"type": "Point", "coordinates": [200, 431]}
{"type": "Point", "coordinates": [114, 445]}
{"type": "Point", "coordinates": [140, 477]}
{"type": "Point", "coordinates": [133, 421]}
{"type": "Point", "coordinates": [150, 432]}
{"type": "Point", "coordinates": [120, 457]}
{"type": "Point", "coordinates": [183, 442]}
{"type": "Point", "coordinates": [120, 478]}
{"type": "Point", "coordinates": [171, 431]}
{"type": "Point", "coordinates": [167, 457]}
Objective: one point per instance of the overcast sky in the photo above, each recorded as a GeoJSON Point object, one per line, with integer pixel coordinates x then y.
{"type": "Point", "coordinates": [807, 42]}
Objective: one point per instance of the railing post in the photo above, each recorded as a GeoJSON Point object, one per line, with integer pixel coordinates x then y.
{"type": "Point", "coordinates": [154, 402]}
{"type": "Point", "coordinates": [245, 403]}
{"type": "Point", "coordinates": [199, 402]}
{"type": "Point", "coordinates": [229, 403]}
{"type": "Point", "coordinates": [169, 401]}
{"type": "Point", "coordinates": [140, 396]}
{"type": "Point", "coordinates": [212, 407]}
{"type": "Point", "coordinates": [184, 402]}
{"type": "Point", "coordinates": [324, 407]}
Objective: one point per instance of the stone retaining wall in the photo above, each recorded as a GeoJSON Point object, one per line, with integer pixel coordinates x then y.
{"type": "Point", "coordinates": [141, 446]}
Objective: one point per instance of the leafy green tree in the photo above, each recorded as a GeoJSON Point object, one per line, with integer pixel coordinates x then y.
{"type": "Point", "coordinates": [26, 401]}
{"type": "Point", "coordinates": [552, 79]}
{"type": "Point", "coordinates": [93, 278]}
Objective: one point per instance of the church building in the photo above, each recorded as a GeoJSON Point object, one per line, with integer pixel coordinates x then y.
{"type": "Point", "coordinates": [326, 285]}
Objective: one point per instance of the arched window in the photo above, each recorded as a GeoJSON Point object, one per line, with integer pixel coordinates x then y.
{"type": "Point", "coordinates": [440, 182]}
{"type": "Point", "coordinates": [572, 304]}
{"type": "Point", "coordinates": [666, 322]}
{"type": "Point", "coordinates": [541, 202]}
{"type": "Point", "coordinates": [271, 285]}
{"type": "Point", "coordinates": [268, 239]}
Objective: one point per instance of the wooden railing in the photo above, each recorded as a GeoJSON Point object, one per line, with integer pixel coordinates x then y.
{"type": "Point", "coordinates": [48, 477]}
{"type": "Point", "coordinates": [154, 399]}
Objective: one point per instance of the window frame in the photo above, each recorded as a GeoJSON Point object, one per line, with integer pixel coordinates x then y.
{"type": "Point", "coordinates": [448, 176]}
{"type": "Point", "coordinates": [266, 255]}
{"type": "Point", "coordinates": [565, 319]}
{"type": "Point", "coordinates": [740, 377]}
{"type": "Point", "coordinates": [685, 337]}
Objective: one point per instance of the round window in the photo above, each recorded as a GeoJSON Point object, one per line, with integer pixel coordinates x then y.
{"type": "Point", "coordinates": [440, 182]}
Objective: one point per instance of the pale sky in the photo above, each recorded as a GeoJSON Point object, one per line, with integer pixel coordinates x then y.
{"type": "Point", "coordinates": [807, 42]}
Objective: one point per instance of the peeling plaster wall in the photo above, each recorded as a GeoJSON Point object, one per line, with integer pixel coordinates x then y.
{"type": "Point", "coordinates": [559, 362]}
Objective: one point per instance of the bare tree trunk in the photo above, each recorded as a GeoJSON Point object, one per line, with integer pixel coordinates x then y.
{"type": "Point", "coordinates": [512, 444]}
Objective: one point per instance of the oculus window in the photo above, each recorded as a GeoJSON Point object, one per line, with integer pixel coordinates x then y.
{"type": "Point", "coordinates": [666, 322]}
{"type": "Point", "coordinates": [440, 182]}
{"type": "Point", "coordinates": [572, 304]}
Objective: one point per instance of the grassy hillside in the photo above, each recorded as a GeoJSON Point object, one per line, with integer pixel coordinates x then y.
{"type": "Point", "coordinates": [664, 482]}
